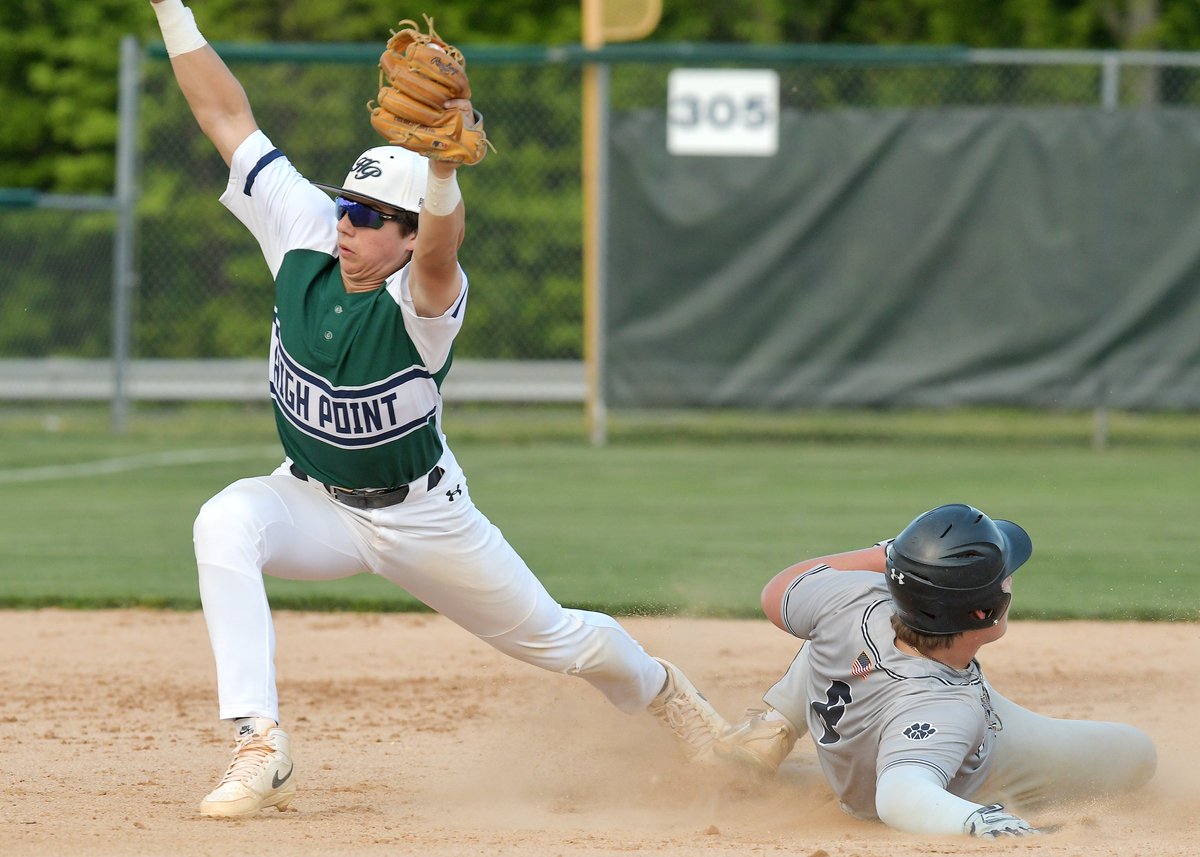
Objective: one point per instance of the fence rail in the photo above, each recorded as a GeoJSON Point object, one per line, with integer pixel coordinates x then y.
{"type": "Point", "coordinates": [185, 283]}
{"type": "Point", "coordinates": [245, 379]}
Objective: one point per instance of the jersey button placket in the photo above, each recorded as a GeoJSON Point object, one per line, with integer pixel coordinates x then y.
{"type": "Point", "coordinates": [337, 310]}
{"type": "Point", "coordinates": [331, 328]}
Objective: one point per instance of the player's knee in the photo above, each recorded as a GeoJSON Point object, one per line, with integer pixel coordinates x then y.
{"type": "Point", "coordinates": [226, 518]}
{"type": "Point", "coordinates": [1129, 762]}
{"type": "Point", "coordinates": [217, 516]}
{"type": "Point", "coordinates": [1138, 759]}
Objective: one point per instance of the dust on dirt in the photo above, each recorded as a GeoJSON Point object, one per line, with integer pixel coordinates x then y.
{"type": "Point", "coordinates": [412, 737]}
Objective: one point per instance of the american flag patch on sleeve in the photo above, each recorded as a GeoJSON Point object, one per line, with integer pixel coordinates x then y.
{"type": "Point", "coordinates": [862, 665]}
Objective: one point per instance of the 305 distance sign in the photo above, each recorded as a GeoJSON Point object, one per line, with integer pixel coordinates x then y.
{"type": "Point", "coordinates": [722, 112]}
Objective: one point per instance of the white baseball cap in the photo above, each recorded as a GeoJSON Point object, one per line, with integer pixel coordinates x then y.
{"type": "Point", "coordinates": [389, 176]}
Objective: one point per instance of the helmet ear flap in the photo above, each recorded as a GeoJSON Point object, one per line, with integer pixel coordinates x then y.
{"type": "Point", "coordinates": [994, 613]}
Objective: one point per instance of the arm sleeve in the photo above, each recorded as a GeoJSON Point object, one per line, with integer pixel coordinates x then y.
{"type": "Point", "coordinates": [819, 592]}
{"type": "Point", "coordinates": [432, 336]}
{"type": "Point", "coordinates": [281, 208]}
{"type": "Point", "coordinates": [910, 798]}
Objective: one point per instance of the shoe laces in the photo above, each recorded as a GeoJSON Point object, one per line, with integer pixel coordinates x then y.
{"type": "Point", "coordinates": [248, 758]}
{"type": "Point", "coordinates": [688, 720]}
{"type": "Point", "coordinates": [759, 727]}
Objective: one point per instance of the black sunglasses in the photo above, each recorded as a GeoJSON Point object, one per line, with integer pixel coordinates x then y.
{"type": "Point", "coordinates": [361, 215]}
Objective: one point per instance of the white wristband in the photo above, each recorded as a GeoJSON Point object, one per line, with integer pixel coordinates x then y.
{"type": "Point", "coordinates": [442, 196]}
{"type": "Point", "coordinates": [178, 26]}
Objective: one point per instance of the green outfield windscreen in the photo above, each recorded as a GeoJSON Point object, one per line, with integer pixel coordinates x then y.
{"type": "Point", "coordinates": [953, 255]}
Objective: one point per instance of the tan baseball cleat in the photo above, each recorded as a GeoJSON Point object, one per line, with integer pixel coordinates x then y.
{"type": "Point", "coordinates": [689, 715]}
{"type": "Point", "coordinates": [758, 743]}
{"type": "Point", "coordinates": [259, 776]}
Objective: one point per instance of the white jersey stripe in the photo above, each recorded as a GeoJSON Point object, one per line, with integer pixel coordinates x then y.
{"type": "Point", "coordinates": [788, 594]}
{"type": "Point", "coordinates": [942, 775]}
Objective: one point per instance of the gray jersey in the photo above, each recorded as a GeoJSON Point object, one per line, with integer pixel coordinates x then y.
{"type": "Point", "coordinates": [871, 706]}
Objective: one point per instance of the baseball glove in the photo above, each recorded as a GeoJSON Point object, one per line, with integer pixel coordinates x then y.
{"type": "Point", "coordinates": [418, 73]}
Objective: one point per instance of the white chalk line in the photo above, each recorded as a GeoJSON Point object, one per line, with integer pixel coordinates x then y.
{"type": "Point", "coordinates": [109, 466]}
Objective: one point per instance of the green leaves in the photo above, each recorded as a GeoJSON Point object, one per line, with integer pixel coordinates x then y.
{"type": "Point", "coordinates": [58, 59]}
{"type": "Point", "coordinates": [58, 134]}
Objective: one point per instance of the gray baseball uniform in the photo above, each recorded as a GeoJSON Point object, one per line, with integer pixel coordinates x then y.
{"type": "Point", "coordinates": [871, 708]}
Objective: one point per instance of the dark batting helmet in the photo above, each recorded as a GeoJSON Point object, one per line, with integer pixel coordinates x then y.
{"type": "Point", "coordinates": [949, 563]}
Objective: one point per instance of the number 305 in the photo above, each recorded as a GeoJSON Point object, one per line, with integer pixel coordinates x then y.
{"type": "Point", "coordinates": [719, 110]}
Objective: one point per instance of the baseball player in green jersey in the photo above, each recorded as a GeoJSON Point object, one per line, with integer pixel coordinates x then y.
{"type": "Point", "coordinates": [369, 296]}
{"type": "Point", "coordinates": [906, 727]}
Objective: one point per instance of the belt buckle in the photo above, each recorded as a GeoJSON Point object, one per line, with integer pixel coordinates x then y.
{"type": "Point", "coordinates": [356, 492]}
{"type": "Point", "coordinates": [371, 498]}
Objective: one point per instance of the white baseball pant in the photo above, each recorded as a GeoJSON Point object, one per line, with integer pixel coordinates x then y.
{"type": "Point", "coordinates": [436, 545]}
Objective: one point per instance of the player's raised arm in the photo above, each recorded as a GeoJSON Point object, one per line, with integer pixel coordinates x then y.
{"type": "Point", "coordinates": [865, 559]}
{"type": "Point", "coordinates": [216, 97]}
{"type": "Point", "coordinates": [436, 278]}
{"type": "Point", "coordinates": [424, 105]}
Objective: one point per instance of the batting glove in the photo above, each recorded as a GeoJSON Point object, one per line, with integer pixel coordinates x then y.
{"type": "Point", "coordinates": [992, 822]}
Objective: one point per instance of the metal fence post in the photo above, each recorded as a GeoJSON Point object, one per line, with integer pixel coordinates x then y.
{"type": "Point", "coordinates": [595, 143]}
{"type": "Point", "coordinates": [595, 176]}
{"type": "Point", "coordinates": [1110, 81]}
{"type": "Point", "coordinates": [1110, 100]}
{"type": "Point", "coordinates": [124, 270]}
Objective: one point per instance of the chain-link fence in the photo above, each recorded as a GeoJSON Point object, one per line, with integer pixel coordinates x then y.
{"type": "Point", "coordinates": [203, 291]}
{"type": "Point", "coordinates": [57, 270]}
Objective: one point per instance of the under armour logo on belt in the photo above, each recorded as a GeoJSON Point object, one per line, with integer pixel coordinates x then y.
{"type": "Point", "coordinates": [457, 490]}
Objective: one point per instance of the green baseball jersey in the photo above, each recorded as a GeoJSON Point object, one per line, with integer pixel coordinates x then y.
{"type": "Point", "coordinates": [355, 378]}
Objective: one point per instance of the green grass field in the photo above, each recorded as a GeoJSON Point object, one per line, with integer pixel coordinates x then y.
{"type": "Point", "coordinates": [679, 513]}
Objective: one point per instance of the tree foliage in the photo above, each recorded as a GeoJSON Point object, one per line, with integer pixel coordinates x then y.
{"type": "Point", "coordinates": [204, 290]}
{"type": "Point", "coordinates": [58, 59]}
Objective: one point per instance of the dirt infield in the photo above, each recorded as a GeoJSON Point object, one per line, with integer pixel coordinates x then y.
{"type": "Point", "coordinates": [411, 737]}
